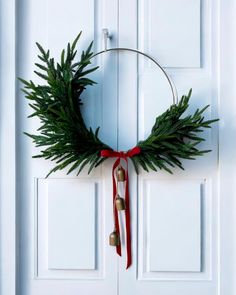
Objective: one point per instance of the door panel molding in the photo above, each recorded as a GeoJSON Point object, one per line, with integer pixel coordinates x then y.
{"type": "Point", "coordinates": [175, 194]}
{"type": "Point", "coordinates": [164, 23]}
{"type": "Point", "coordinates": [64, 247]}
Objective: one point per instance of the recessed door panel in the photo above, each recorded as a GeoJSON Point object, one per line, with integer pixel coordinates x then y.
{"type": "Point", "coordinates": [174, 225]}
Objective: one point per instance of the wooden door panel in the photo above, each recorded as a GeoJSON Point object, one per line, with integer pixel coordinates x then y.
{"type": "Point", "coordinates": [171, 32]}
{"type": "Point", "coordinates": [66, 220]}
{"type": "Point", "coordinates": [173, 225]}
{"type": "Point", "coordinates": [69, 233]}
{"type": "Point", "coordinates": [177, 239]}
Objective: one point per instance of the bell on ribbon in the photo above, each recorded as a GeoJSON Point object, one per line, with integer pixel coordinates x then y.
{"type": "Point", "coordinates": [120, 174]}
{"type": "Point", "coordinates": [120, 203]}
{"type": "Point", "coordinates": [114, 239]}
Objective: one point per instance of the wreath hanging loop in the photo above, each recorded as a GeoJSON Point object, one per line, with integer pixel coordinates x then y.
{"type": "Point", "coordinates": [66, 140]}
{"type": "Point", "coordinates": [170, 82]}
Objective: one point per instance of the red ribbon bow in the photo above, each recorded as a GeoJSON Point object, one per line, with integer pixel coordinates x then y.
{"type": "Point", "coordinates": [122, 155]}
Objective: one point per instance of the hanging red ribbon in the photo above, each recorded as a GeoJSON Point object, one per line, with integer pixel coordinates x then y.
{"type": "Point", "coordinates": [122, 155]}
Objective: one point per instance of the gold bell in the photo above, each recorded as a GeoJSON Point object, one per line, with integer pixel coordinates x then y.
{"type": "Point", "coordinates": [120, 174]}
{"type": "Point", "coordinates": [114, 239]}
{"type": "Point", "coordinates": [120, 203]}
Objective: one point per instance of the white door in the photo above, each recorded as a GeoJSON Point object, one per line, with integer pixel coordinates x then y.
{"type": "Point", "coordinates": [176, 216]}
{"type": "Point", "coordinates": [183, 224]}
{"type": "Point", "coordinates": [65, 220]}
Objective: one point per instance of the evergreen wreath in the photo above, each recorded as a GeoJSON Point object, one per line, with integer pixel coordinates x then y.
{"type": "Point", "coordinates": [65, 137]}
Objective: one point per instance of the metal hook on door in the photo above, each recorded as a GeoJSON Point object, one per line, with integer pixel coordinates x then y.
{"type": "Point", "coordinates": [106, 36]}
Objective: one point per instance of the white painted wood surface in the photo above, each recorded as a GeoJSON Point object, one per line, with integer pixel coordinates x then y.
{"type": "Point", "coordinates": [71, 224]}
{"type": "Point", "coordinates": [42, 268]}
{"type": "Point", "coordinates": [172, 22]}
{"type": "Point", "coordinates": [8, 234]}
{"type": "Point", "coordinates": [174, 225]}
{"type": "Point", "coordinates": [183, 226]}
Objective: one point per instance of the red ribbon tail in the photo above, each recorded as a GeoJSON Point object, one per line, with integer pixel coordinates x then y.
{"type": "Point", "coordinates": [109, 154]}
{"type": "Point", "coordinates": [116, 218]}
{"type": "Point", "coordinates": [128, 221]}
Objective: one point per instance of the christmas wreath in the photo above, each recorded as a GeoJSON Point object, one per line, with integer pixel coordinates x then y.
{"type": "Point", "coordinates": [67, 141]}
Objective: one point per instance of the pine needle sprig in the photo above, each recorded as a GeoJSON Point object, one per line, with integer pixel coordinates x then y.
{"type": "Point", "coordinates": [173, 137]}
{"type": "Point", "coordinates": [63, 132]}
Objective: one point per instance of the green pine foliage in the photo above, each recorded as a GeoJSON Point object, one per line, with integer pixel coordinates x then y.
{"type": "Point", "coordinates": [67, 141]}
{"type": "Point", "coordinates": [63, 133]}
{"type": "Point", "coordinates": [173, 137]}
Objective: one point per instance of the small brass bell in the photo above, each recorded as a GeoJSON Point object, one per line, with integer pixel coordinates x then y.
{"type": "Point", "coordinates": [120, 203]}
{"type": "Point", "coordinates": [120, 174]}
{"type": "Point", "coordinates": [114, 239]}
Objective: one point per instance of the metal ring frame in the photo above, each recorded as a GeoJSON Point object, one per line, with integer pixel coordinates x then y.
{"type": "Point", "coordinates": [172, 85]}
